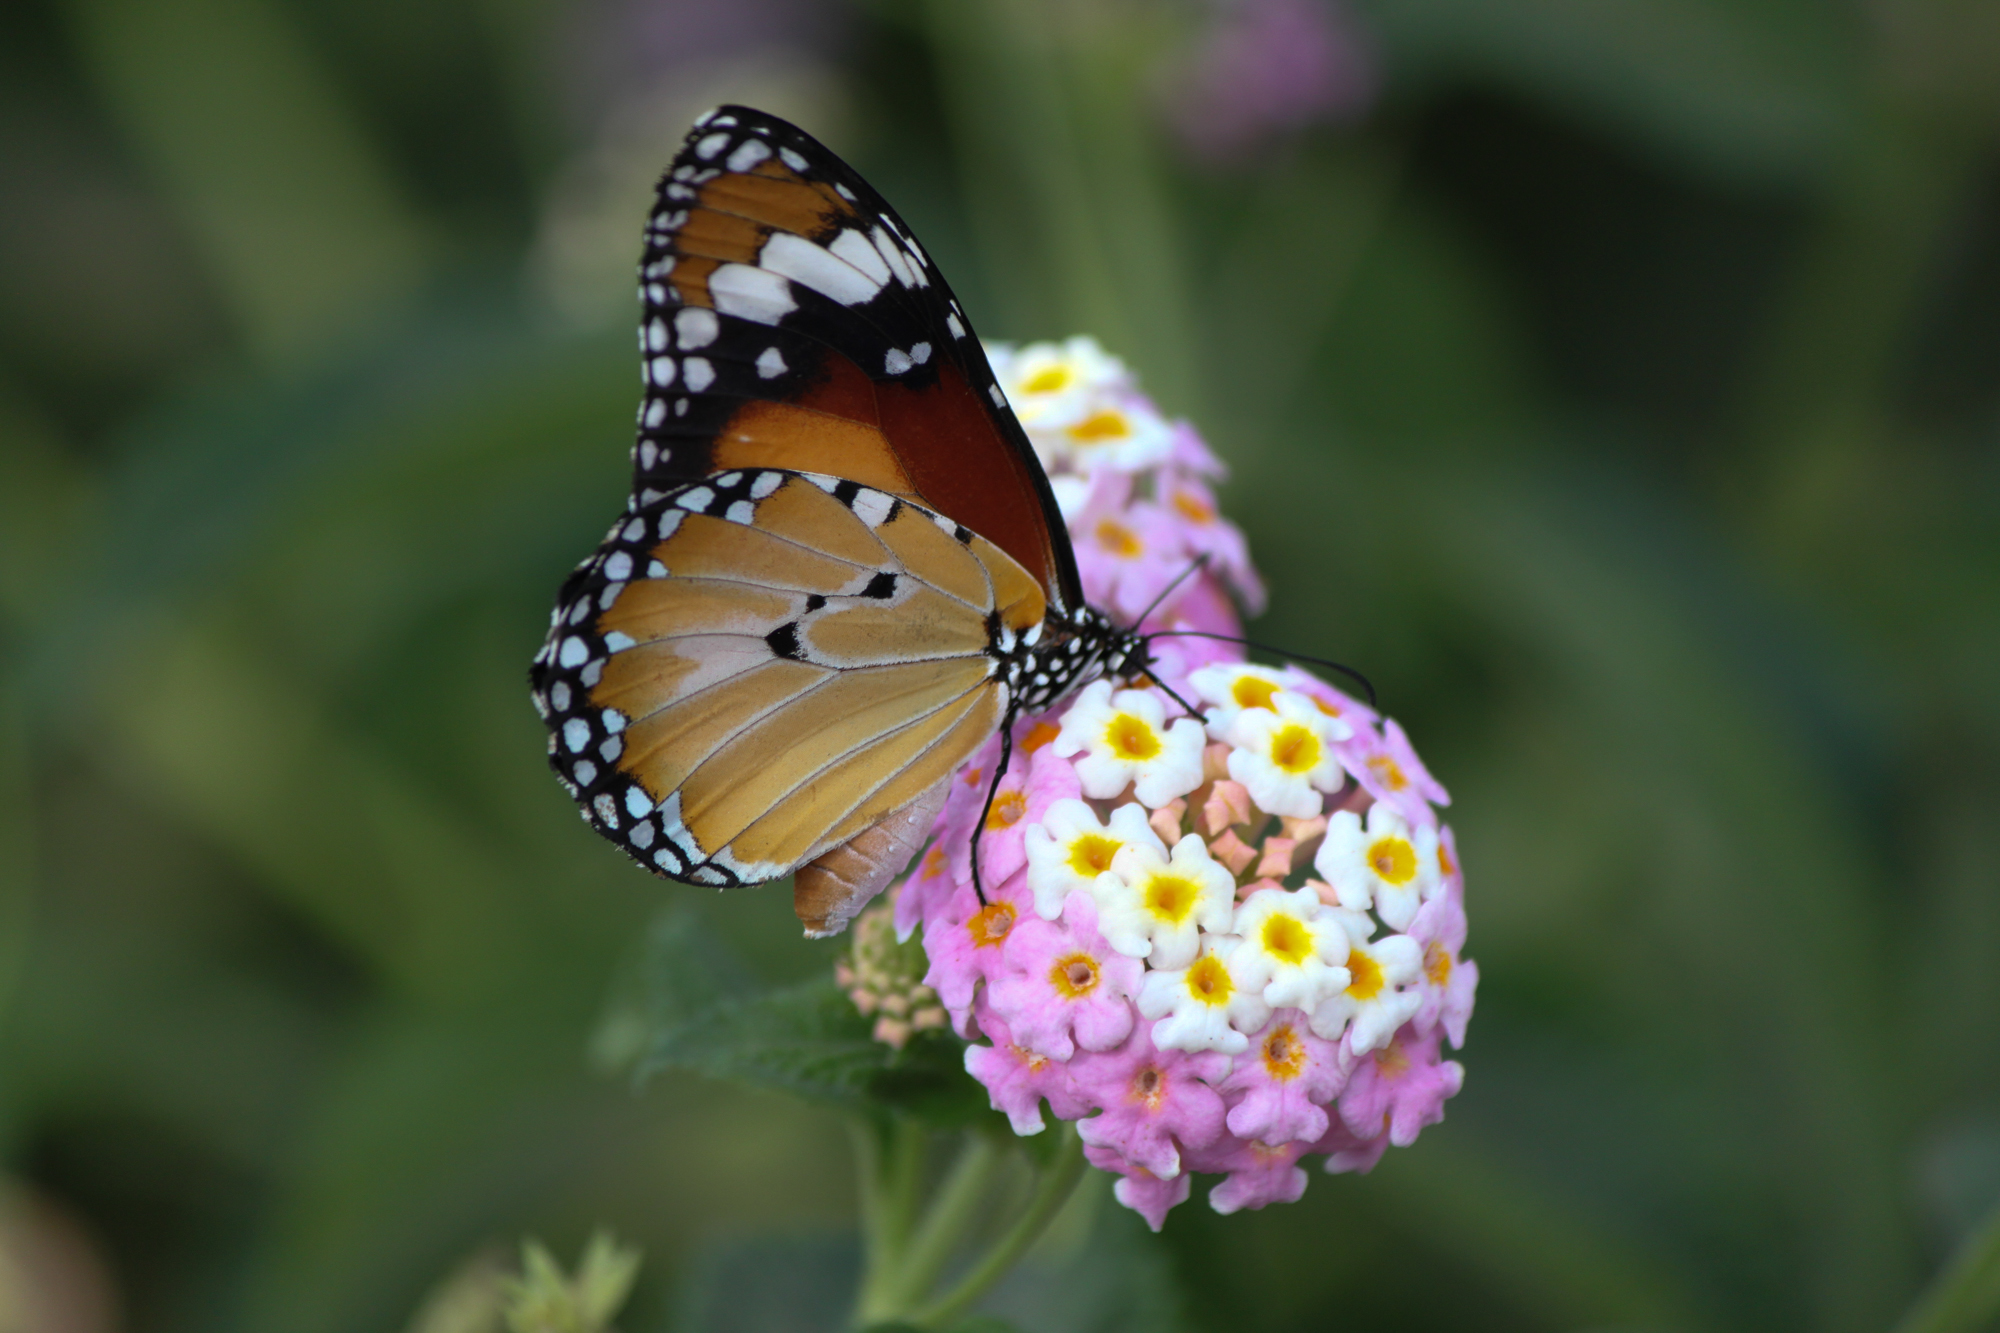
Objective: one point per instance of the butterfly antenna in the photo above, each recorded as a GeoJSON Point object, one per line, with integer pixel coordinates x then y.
{"type": "Point", "coordinates": [1198, 563]}
{"type": "Point", "coordinates": [1288, 655]}
{"type": "Point", "coordinates": [992, 791]}
{"type": "Point", "coordinates": [1186, 707]}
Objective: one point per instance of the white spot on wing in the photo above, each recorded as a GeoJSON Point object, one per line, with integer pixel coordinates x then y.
{"type": "Point", "coordinates": [854, 248]}
{"type": "Point", "coordinates": [697, 373]}
{"type": "Point", "coordinates": [957, 329]}
{"type": "Point", "coordinates": [751, 293]}
{"type": "Point", "coordinates": [748, 154]}
{"type": "Point", "coordinates": [661, 370]}
{"type": "Point", "coordinates": [920, 353]}
{"type": "Point", "coordinates": [618, 566]}
{"type": "Point", "coordinates": [710, 146]}
{"type": "Point", "coordinates": [670, 522]}
{"type": "Point", "coordinates": [741, 512]}
{"type": "Point", "coordinates": [573, 651]}
{"type": "Point", "coordinates": [617, 642]}
{"type": "Point", "coordinates": [892, 255]}
{"type": "Point", "coordinates": [694, 327]}
{"type": "Point", "coordinates": [896, 361]}
{"type": "Point", "coordinates": [871, 507]}
{"type": "Point", "coordinates": [766, 483]}
{"type": "Point", "coordinates": [576, 734]}
{"type": "Point", "coordinates": [999, 399]}
{"type": "Point", "coordinates": [656, 335]}
{"type": "Point", "coordinates": [770, 363]}
{"type": "Point", "coordinates": [797, 258]}
{"type": "Point", "coordinates": [792, 160]}
{"type": "Point", "coordinates": [696, 500]}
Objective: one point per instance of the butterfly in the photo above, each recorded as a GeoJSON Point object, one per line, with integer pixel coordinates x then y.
{"type": "Point", "coordinates": [841, 568]}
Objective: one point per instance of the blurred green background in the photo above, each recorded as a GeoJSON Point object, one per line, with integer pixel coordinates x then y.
{"type": "Point", "coordinates": [1616, 381]}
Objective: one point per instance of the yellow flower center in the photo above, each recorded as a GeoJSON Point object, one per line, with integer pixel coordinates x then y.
{"type": "Point", "coordinates": [1192, 508]}
{"type": "Point", "coordinates": [1284, 1054]}
{"type": "Point", "coordinates": [1131, 739]}
{"type": "Point", "coordinates": [1286, 937]}
{"type": "Point", "coordinates": [1390, 772]}
{"type": "Point", "coordinates": [990, 924]}
{"type": "Point", "coordinates": [1052, 379]}
{"type": "Point", "coordinates": [1008, 807]}
{"type": "Point", "coordinates": [1091, 854]}
{"type": "Point", "coordinates": [1365, 976]}
{"type": "Point", "coordinates": [1208, 981]}
{"type": "Point", "coordinates": [1252, 692]}
{"type": "Point", "coordinates": [1074, 976]}
{"type": "Point", "coordinates": [1171, 897]}
{"type": "Point", "coordinates": [1437, 963]}
{"type": "Point", "coordinates": [1118, 539]}
{"type": "Point", "coordinates": [1099, 427]}
{"type": "Point", "coordinates": [1295, 749]}
{"type": "Point", "coordinates": [1393, 860]}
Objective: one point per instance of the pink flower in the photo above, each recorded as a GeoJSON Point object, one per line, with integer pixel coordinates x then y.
{"type": "Point", "coordinates": [1192, 454]}
{"type": "Point", "coordinates": [1450, 869]}
{"type": "Point", "coordinates": [1347, 1151]}
{"type": "Point", "coordinates": [1139, 1189]}
{"type": "Point", "coordinates": [1154, 1102]}
{"type": "Point", "coordinates": [964, 942]}
{"type": "Point", "coordinates": [1447, 982]}
{"type": "Point", "coordinates": [1017, 1080]}
{"type": "Point", "coordinates": [1388, 768]}
{"type": "Point", "coordinates": [1127, 557]}
{"type": "Point", "coordinates": [1258, 1173]}
{"type": "Point", "coordinates": [1267, 67]}
{"type": "Point", "coordinates": [1033, 783]}
{"type": "Point", "coordinates": [1400, 1088]}
{"type": "Point", "coordinates": [925, 892]}
{"type": "Point", "coordinates": [1063, 986]}
{"type": "Point", "coordinates": [1357, 715]}
{"type": "Point", "coordinates": [1280, 1088]}
{"type": "Point", "coordinates": [1203, 531]}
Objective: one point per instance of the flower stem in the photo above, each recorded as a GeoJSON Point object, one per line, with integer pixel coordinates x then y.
{"type": "Point", "coordinates": [957, 1205]}
{"type": "Point", "coordinates": [890, 1159]}
{"type": "Point", "coordinates": [1967, 1294]}
{"type": "Point", "coordinates": [1058, 1181]}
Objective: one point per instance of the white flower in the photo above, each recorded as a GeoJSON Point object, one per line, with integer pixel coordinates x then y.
{"type": "Point", "coordinates": [1233, 687]}
{"type": "Point", "coordinates": [1292, 949]}
{"type": "Point", "coordinates": [1121, 432]}
{"type": "Point", "coordinates": [1388, 866]}
{"type": "Point", "coordinates": [1125, 739]}
{"type": "Point", "coordinates": [1372, 1007]}
{"type": "Point", "coordinates": [1204, 1006]}
{"type": "Point", "coordinates": [1052, 386]}
{"type": "Point", "coordinates": [1154, 907]}
{"type": "Point", "coordinates": [1070, 848]}
{"type": "Point", "coordinates": [1284, 752]}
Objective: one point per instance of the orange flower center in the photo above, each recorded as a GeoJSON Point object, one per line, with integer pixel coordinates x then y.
{"type": "Point", "coordinates": [990, 924]}
{"type": "Point", "coordinates": [1437, 963]}
{"type": "Point", "coordinates": [1193, 508]}
{"type": "Point", "coordinates": [934, 862]}
{"type": "Point", "coordinates": [1091, 854]}
{"type": "Point", "coordinates": [1008, 807]}
{"type": "Point", "coordinates": [1074, 976]}
{"type": "Point", "coordinates": [1149, 1085]}
{"type": "Point", "coordinates": [1286, 937]}
{"type": "Point", "coordinates": [1295, 749]}
{"type": "Point", "coordinates": [1099, 427]}
{"type": "Point", "coordinates": [1171, 897]}
{"type": "Point", "coordinates": [1393, 860]}
{"type": "Point", "coordinates": [1391, 1061]}
{"type": "Point", "coordinates": [1389, 771]}
{"type": "Point", "coordinates": [1252, 692]}
{"type": "Point", "coordinates": [1284, 1054]}
{"type": "Point", "coordinates": [1365, 976]}
{"type": "Point", "coordinates": [1039, 735]}
{"type": "Point", "coordinates": [1131, 739]}
{"type": "Point", "coordinates": [1208, 981]}
{"type": "Point", "coordinates": [1118, 539]}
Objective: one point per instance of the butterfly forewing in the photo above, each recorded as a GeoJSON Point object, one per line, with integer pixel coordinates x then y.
{"type": "Point", "coordinates": [791, 321]}
{"type": "Point", "coordinates": [757, 667]}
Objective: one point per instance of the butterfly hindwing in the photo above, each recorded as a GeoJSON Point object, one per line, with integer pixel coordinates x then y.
{"type": "Point", "coordinates": [756, 668]}
{"type": "Point", "coordinates": [791, 321]}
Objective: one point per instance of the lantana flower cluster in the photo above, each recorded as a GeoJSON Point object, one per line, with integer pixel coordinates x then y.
{"type": "Point", "coordinates": [1220, 944]}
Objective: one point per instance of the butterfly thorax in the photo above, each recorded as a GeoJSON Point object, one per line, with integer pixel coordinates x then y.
{"type": "Point", "coordinates": [1065, 651]}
